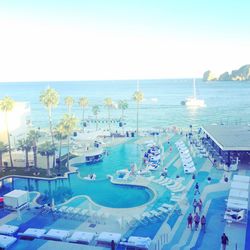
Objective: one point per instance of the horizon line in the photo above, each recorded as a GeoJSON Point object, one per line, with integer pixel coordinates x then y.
{"type": "Point", "coordinates": [99, 80]}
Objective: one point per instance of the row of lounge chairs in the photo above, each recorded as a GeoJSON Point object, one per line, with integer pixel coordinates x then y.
{"type": "Point", "coordinates": [174, 186]}
{"type": "Point", "coordinates": [104, 238]}
{"type": "Point", "coordinates": [186, 158]}
{"type": "Point", "coordinates": [237, 203]}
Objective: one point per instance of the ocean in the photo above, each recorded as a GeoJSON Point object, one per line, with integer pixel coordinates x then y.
{"type": "Point", "coordinates": [226, 102]}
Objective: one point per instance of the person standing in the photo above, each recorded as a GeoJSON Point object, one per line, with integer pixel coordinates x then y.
{"type": "Point", "coordinates": [190, 221]}
{"type": "Point", "coordinates": [199, 204]}
{"type": "Point", "coordinates": [224, 241]}
{"type": "Point", "coordinates": [196, 221]}
{"type": "Point", "coordinates": [196, 189]}
{"type": "Point", "coordinates": [195, 204]}
{"type": "Point", "coordinates": [203, 223]}
{"type": "Point", "coordinates": [112, 245]}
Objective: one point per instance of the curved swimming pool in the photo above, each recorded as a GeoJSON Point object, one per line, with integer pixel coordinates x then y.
{"type": "Point", "coordinates": [100, 191]}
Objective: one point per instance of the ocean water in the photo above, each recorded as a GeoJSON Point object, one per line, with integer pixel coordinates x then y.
{"type": "Point", "coordinates": [226, 102]}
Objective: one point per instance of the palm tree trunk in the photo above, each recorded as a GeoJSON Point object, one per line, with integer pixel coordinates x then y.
{"type": "Point", "coordinates": [60, 153]}
{"type": "Point", "coordinates": [8, 134]}
{"type": "Point", "coordinates": [1, 161]}
{"type": "Point", "coordinates": [83, 119]}
{"type": "Point", "coordinates": [48, 166]}
{"type": "Point", "coordinates": [137, 118]}
{"type": "Point", "coordinates": [27, 159]}
{"type": "Point", "coordinates": [52, 136]}
{"type": "Point", "coordinates": [35, 155]}
{"type": "Point", "coordinates": [122, 118]}
{"type": "Point", "coordinates": [68, 154]}
{"type": "Point", "coordinates": [96, 126]}
{"type": "Point", "coordinates": [109, 119]}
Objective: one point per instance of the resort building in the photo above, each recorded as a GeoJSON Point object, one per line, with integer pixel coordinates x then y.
{"type": "Point", "coordinates": [228, 145]}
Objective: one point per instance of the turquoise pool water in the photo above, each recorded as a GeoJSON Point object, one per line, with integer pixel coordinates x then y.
{"type": "Point", "coordinates": [119, 157]}
{"type": "Point", "coordinates": [101, 191]}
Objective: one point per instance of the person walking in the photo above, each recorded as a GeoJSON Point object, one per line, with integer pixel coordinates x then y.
{"type": "Point", "coordinates": [224, 241]}
{"type": "Point", "coordinates": [199, 204]}
{"type": "Point", "coordinates": [190, 221]}
{"type": "Point", "coordinates": [203, 223]}
{"type": "Point", "coordinates": [196, 221]}
{"type": "Point", "coordinates": [195, 204]}
{"type": "Point", "coordinates": [196, 189]}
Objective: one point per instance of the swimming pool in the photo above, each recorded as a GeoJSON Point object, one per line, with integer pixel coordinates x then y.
{"type": "Point", "coordinates": [100, 191]}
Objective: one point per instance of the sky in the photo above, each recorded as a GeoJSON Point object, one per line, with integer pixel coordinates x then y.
{"type": "Point", "coordinates": [59, 40]}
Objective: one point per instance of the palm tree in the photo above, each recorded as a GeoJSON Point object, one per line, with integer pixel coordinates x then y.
{"type": "Point", "coordinates": [69, 101]}
{"type": "Point", "coordinates": [83, 103]}
{"type": "Point", "coordinates": [137, 97]}
{"type": "Point", "coordinates": [122, 105]}
{"type": "Point", "coordinates": [3, 149]}
{"type": "Point", "coordinates": [50, 99]}
{"type": "Point", "coordinates": [6, 106]}
{"type": "Point", "coordinates": [34, 136]}
{"type": "Point", "coordinates": [47, 149]}
{"type": "Point", "coordinates": [59, 135]}
{"type": "Point", "coordinates": [96, 111]}
{"type": "Point", "coordinates": [109, 104]}
{"type": "Point", "coordinates": [69, 123]}
{"type": "Point", "coordinates": [25, 145]}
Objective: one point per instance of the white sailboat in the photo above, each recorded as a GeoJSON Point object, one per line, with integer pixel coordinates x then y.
{"type": "Point", "coordinates": [193, 102]}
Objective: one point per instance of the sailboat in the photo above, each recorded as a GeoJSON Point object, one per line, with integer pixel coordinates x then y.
{"type": "Point", "coordinates": [193, 102]}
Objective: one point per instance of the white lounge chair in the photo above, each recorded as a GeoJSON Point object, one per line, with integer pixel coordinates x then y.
{"type": "Point", "coordinates": [55, 234]}
{"type": "Point", "coordinates": [6, 241]}
{"type": "Point", "coordinates": [106, 238]}
{"type": "Point", "coordinates": [82, 237]}
{"type": "Point", "coordinates": [138, 242]}
{"type": "Point", "coordinates": [235, 216]}
{"type": "Point", "coordinates": [32, 233]}
{"type": "Point", "coordinates": [8, 229]}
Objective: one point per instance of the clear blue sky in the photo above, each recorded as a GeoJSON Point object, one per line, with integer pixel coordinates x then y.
{"type": "Point", "coordinates": [101, 39]}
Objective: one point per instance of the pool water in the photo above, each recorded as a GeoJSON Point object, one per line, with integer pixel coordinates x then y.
{"type": "Point", "coordinates": [100, 191]}
{"type": "Point", "coordinates": [119, 157]}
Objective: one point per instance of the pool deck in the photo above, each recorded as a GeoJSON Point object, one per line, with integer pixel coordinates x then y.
{"type": "Point", "coordinates": [173, 237]}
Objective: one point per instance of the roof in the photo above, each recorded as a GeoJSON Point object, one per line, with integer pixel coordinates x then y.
{"type": "Point", "coordinates": [16, 193]}
{"type": "Point", "coordinates": [229, 138]}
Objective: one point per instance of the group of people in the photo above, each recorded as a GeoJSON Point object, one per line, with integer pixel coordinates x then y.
{"type": "Point", "coordinates": [197, 220]}
{"type": "Point", "coordinates": [197, 204]}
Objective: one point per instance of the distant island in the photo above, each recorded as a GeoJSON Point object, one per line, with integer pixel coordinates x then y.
{"type": "Point", "coordinates": [241, 74]}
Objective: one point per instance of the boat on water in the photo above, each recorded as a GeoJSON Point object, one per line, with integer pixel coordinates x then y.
{"type": "Point", "coordinates": [193, 102]}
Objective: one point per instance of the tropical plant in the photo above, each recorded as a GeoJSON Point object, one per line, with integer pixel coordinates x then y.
{"type": "Point", "coordinates": [3, 149]}
{"type": "Point", "coordinates": [83, 103]}
{"type": "Point", "coordinates": [69, 123]}
{"type": "Point", "coordinates": [34, 136]}
{"type": "Point", "coordinates": [25, 146]}
{"type": "Point", "coordinates": [6, 106]}
{"type": "Point", "coordinates": [47, 149]}
{"type": "Point", "coordinates": [109, 104]}
{"type": "Point", "coordinates": [60, 135]}
{"type": "Point", "coordinates": [96, 111]}
{"type": "Point", "coordinates": [122, 105]}
{"type": "Point", "coordinates": [138, 98]}
{"type": "Point", "coordinates": [50, 99]}
{"type": "Point", "coordinates": [69, 101]}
